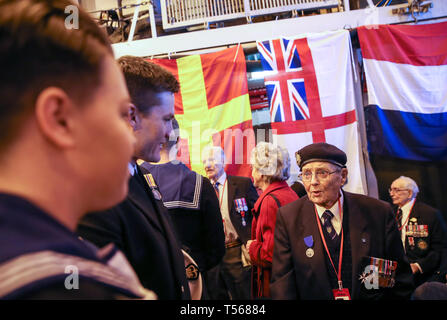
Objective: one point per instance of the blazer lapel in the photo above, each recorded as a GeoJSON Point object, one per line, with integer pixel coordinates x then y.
{"type": "Point", "coordinates": [232, 186]}
{"type": "Point", "coordinates": [414, 211]}
{"type": "Point", "coordinates": [317, 263]}
{"type": "Point", "coordinates": [142, 200]}
{"type": "Point", "coordinates": [141, 195]}
{"type": "Point", "coordinates": [360, 240]}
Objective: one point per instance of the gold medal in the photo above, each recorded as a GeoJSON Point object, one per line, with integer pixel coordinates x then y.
{"type": "Point", "coordinates": [422, 245]}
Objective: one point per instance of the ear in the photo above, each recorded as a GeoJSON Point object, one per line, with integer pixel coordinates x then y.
{"type": "Point", "coordinates": [344, 176]}
{"type": "Point", "coordinates": [134, 117]}
{"type": "Point", "coordinates": [54, 111]}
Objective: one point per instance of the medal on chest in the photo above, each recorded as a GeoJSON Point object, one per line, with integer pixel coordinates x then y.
{"type": "Point", "coordinates": [241, 208]}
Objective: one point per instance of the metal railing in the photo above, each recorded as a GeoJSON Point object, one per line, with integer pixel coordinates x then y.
{"type": "Point", "coordinates": [184, 13]}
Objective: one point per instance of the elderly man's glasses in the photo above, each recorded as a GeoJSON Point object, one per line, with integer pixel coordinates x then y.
{"type": "Point", "coordinates": [320, 174]}
{"type": "Point", "coordinates": [395, 190]}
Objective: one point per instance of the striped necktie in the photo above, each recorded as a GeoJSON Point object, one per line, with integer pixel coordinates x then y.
{"type": "Point", "coordinates": [399, 218]}
{"type": "Point", "coordinates": [327, 224]}
{"type": "Point", "coordinates": [216, 188]}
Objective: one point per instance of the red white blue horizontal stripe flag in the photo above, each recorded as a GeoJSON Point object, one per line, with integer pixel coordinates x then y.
{"type": "Point", "coordinates": [406, 77]}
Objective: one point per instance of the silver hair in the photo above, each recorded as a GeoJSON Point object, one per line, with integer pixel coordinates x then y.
{"type": "Point", "coordinates": [410, 184]}
{"type": "Point", "coordinates": [273, 162]}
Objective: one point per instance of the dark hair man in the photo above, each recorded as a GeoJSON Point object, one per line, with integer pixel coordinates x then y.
{"type": "Point", "coordinates": [140, 225]}
{"type": "Point", "coordinates": [63, 120]}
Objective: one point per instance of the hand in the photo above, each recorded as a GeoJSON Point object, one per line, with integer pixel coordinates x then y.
{"type": "Point", "coordinates": [248, 245]}
{"type": "Point", "coordinates": [414, 268]}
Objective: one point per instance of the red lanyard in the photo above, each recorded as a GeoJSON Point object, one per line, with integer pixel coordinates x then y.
{"type": "Point", "coordinates": [338, 274]}
{"type": "Point", "coordinates": [408, 217]}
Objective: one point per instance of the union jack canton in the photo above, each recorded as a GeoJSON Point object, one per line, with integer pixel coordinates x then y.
{"type": "Point", "coordinates": [285, 81]}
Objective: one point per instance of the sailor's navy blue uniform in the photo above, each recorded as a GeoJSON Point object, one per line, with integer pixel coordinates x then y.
{"type": "Point", "coordinates": [38, 254]}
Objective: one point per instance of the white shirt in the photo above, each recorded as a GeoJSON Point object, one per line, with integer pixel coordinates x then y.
{"type": "Point", "coordinates": [337, 220]}
{"type": "Point", "coordinates": [230, 231]}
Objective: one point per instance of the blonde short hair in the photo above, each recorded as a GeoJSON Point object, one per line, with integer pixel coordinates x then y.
{"type": "Point", "coordinates": [273, 162]}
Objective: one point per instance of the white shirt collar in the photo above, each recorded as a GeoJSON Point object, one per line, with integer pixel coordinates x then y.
{"type": "Point", "coordinates": [337, 220]}
{"type": "Point", "coordinates": [132, 168]}
{"type": "Point", "coordinates": [407, 207]}
{"type": "Point", "coordinates": [222, 178]}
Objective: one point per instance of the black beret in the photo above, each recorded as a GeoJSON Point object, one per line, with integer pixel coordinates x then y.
{"type": "Point", "coordinates": [323, 152]}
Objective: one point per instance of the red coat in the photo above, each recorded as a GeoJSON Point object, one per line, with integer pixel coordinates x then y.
{"type": "Point", "coordinates": [262, 231]}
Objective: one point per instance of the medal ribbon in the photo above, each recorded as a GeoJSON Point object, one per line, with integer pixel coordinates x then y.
{"type": "Point", "coordinates": [338, 274]}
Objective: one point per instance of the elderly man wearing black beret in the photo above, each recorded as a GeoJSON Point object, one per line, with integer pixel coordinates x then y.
{"type": "Point", "coordinates": [332, 244]}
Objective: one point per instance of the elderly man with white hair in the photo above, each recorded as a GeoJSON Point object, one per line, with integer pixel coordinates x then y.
{"type": "Point", "coordinates": [422, 229]}
{"type": "Point", "coordinates": [271, 169]}
{"type": "Point", "coordinates": [237, 195]}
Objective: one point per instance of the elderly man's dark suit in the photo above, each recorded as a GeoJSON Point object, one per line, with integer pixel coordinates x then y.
{"type": "Point", "coordinates": [429, 258]}
{"type": "Point", "coordinates": [139, 226]}
{"type": "Point", "coordinates": [373, 232]}
{"type": "Point", "coordinates": [230, 276]}
{"type": "Point", "coordinates": [241, 187]}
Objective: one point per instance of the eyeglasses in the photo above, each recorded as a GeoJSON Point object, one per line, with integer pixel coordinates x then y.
{"type": "Point", "coordinates": [320, 174]}
{"type": "Point", "coordinates": [395, 190]}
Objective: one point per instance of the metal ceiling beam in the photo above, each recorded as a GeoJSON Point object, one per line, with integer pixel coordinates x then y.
{"type": "Point", "coordinates": [197, 40]}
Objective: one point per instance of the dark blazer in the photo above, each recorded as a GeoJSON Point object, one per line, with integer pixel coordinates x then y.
{"type": "Point", "coordinates": [140, 227]}
{"type": "Point", "coordinates": [241, 187]}
{"type": "Point", "coordinates": [373, 232]}
{"type": "Point", "coordinates": [299, 189]}
{"type": "Point", "coordinates": [428, 258]}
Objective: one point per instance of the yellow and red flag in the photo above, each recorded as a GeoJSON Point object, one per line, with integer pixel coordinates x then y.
{"type": "Point", "coordinates": [213, 108]}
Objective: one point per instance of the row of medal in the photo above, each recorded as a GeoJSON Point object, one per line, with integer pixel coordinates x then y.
{"type": "Point", "coordinates": [416, 230]}
{"type": "Point", "coordinates": [241, 208]}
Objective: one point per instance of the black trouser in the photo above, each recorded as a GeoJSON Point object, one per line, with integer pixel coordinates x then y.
{"type": "Point", "coordinates": [229, 279]}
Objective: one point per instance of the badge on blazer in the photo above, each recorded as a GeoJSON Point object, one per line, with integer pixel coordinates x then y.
{"type": "Point", "coordinates": [153, 186]}
{"type": "Point", "coordinates": [309, 242]}
{"type": "Point", "coordinates": [422, 244]}
{"type": "Point", "coordinates": [242, 208]}
{"type": "Point", "coordinates": [157, 194]}
{"type": "Point", "coordinates": [150, 180]}
{"type": "Point", "coordinates": [192, 272]}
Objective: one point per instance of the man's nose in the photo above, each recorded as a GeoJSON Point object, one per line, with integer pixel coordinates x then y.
{"type": "Point", "coordinates": [314, 179]}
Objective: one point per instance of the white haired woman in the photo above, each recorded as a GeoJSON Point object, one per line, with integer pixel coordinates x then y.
{"type": "Point", "coordinates": [271, 169]}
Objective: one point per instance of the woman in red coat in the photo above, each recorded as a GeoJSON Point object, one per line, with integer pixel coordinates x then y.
{"type": "Point", "coordinates": [271, 169]}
